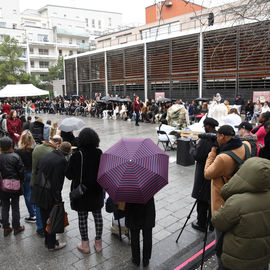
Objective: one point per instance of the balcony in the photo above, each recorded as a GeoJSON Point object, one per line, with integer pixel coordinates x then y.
{"type": "Point", "coordinates": [43, 56]}
{"type": "Point", "coordinates": [41, 43]}
{"type": "Point", "coordinates": [39, 70]}
{"type": "Point", "coordinates": [67, 46]}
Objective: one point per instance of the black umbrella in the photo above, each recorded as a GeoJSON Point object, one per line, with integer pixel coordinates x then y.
{"type": "Point", "coordinates": [202, 99]}
{"type": "Point", "coordinates": [164, 100]}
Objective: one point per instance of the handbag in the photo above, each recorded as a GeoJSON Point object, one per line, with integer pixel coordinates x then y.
{"type": "Point", "coordinates": [10, 185]}
{"type": "Point", "coordinates": [81, 189]}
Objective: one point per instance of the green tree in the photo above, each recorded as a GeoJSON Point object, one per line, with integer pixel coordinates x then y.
{"type": "Point", "coordinates": [11, 66]}
{"type": "Point", "coordinates": [56, 72]}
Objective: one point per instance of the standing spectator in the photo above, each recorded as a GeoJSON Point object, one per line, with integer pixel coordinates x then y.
{"type": "Point", "coordinates": [265, 151]}
{"type": "Point", "coordinates": [3, 122]}
{"type": "Point", "coordinates": [136, 108]}
{"type": "Point", "coordinates": [220, 166]}
{"type": "Point", "coordinates": [265, 107]}
{"type": "Point", "coordinates": [87, 156]}
{"type": "Point", "coordinates": [25, 150]}
{"type": "Point", "coordinates": [38, 153]}
{"type": "Point", "coordinates": [11, 167]}
{"type": "Point", "coordinates": [37, 129]}
{"type": "Point", "coordinates": [244, 131]}
{"type": "Point", "coordinates": [51, 168]}
{"type": "Point", "coordinates": [14, 127]}
{"type": "Point", "coordinates": [202, 187]}
{"type": "Point", "coordinates": [249, 110]}
{"type": "Point", "coordinates": [245, 218]}
{"type": "Point", "coordinates": [26, 125]}
{"type": "Point", "coordinates": [141, 217]}
{"type": "Point", "coordinates": [46, 130]}
{"type": "Point", "coordinates": [6, 108]}
{"type": "Point", "coordinates": [53, 129]}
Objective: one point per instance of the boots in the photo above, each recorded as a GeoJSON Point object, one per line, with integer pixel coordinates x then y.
{"type": "Point", "coordinates": [7, 231]}
{"type": "Point", "coordinates": [84, 247]}
{"type": "Point", "coordinates": [98, 245]}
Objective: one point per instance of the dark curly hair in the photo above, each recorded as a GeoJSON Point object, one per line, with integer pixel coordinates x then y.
{"type": "Point", "coordinates": [5, 144]}
{"type": "Point", "coordinates": [88, 138]}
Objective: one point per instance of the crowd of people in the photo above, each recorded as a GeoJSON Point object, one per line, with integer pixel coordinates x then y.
{"type": "Point", "coordinates": [36, 157]}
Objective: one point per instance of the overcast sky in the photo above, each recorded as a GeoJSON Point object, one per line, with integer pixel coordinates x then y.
{"type": "Point", "coordinates": [133, 10]}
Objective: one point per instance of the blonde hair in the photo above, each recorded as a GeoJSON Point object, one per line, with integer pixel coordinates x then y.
{"type": "Point", "coordinates": [26, 142]}
{"type": "Point", "coordinates": [53, 129]}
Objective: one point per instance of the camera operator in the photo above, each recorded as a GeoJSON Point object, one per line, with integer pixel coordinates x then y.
{"type": "Point", "coordinates": [201, 187]}
{"type": "Point", "coordinates": [220, 167]}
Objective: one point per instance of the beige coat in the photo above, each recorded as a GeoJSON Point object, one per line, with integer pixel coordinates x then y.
{"type": "Point", "coordinates": [219, 169]}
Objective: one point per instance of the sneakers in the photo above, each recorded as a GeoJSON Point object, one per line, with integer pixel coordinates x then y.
{"type": "Point", "coordinates": [58, 247]}
{"type": "Point", "coordinates": [7, 231]}
{"type": "Point", "coordinates": [30, 220]}
{"type": "Point", "coordinates": [20, 229]}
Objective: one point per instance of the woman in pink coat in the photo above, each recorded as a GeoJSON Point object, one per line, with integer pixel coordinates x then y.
{"type": "Point", "coordinates": [14, 127]}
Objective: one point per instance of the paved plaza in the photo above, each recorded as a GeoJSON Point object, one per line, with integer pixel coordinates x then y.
{"type": "Point", "coordinates": [173, 203]}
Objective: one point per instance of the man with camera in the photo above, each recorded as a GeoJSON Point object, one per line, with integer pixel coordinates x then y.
{"type": "Point", "coordinates": [220, 166]}
{"type": "Point", "coordinates": [201, 188]}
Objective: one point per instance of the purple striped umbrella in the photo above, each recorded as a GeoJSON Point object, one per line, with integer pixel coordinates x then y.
{"type": "Point", "coordinates": [133, 170]}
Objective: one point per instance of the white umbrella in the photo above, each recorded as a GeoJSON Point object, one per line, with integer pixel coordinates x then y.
{"type": "Point", "coordinates": [70, 124]}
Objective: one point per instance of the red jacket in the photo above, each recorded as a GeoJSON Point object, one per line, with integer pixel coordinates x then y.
{"type": "Point", "coordinates": [136, 105]}
{"type": "Point", "coordinates": [14, 126]}
{"type": "Point", "coordinates": [6, 108]}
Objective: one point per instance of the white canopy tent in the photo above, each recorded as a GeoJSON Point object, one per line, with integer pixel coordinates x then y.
{"type": "Point", "coordinates": [22, 90]}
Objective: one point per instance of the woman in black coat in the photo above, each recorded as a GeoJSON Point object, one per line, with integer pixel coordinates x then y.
{"type": "Point", "coordinates": [141, 217]}
{"type": "Point", "coordinates": [93, 199]}
{"type": "Point", "coordinates": [11, 167]}
{"type": "Point", "coordinates": [202, 187]}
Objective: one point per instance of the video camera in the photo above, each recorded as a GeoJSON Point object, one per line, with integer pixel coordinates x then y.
{"type": "Point", "coordinates": [212, 136]}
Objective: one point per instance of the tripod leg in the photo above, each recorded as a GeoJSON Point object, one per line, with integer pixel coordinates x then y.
{"type": "Point", "coordinates": [205, 236]}
{"type": "Point", "coordinates": [188, 217]}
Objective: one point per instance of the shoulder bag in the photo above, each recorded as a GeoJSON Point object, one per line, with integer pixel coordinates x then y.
{"type": "Point", "coordinates": [81, 189]}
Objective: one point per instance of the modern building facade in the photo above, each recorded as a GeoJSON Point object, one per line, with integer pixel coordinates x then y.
{"type": "Point", "coordinates": [53, 31]}
{"type": "Point", "coordinates": [231, 56]}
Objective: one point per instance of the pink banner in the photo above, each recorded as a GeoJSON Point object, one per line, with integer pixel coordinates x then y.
{"type": "Point", "coordinates": [262, 96]}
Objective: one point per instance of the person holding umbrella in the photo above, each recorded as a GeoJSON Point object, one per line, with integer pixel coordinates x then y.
{"type": "Point", "coordinates": [87, 157]}
{"type": "Point", "coordinates": [141, 217]}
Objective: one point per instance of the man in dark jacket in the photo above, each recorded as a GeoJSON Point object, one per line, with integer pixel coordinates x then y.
{"type": "Point", "coordinates": [141, 217]}
{"type": "Point", "coordinates": [48, 187]}
{"type": "Point", "coordinates": [36, 129]}
{"type": "Point", "coordinates": [202, 187]}
{"type": "Point", "coordinates": [27, 124]}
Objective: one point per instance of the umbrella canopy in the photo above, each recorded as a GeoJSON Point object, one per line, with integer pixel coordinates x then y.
{"type": "Point", "coordinates": [125, 100]}
{"type": "Point", "coordinates": [106, 98]}
{"type": "Point", "coordinates": [22, 90]}
{"type": "Point", "coordinates": [202, 99]}
{"type": "Point", "coordinates": [115, 99]}
{"type": "Point", "coordinates": [133, 170]}
{"type": "Point", "coordinates": [164, 100]}
{"type": "Point", "coordinates": [70, 124]}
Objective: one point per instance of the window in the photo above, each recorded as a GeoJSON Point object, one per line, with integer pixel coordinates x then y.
{"type": "Point", "coordinates": [60, 52]}
{"type": "Point", "coordinates": [93, 23]}
{"type": "Point", "coordinates": [1, 12]}
{"type": "Point", "coordinates": [32, 64]}
{"type": "Point", "coordinates": [110, 21]}
{"type": "Point", "coordinates": [65, 15]}
{"type": "Point", "coordinates": [86, 21]}
{"type": "Point", "coordinates": [30, 23]}
{"type": "Point", "coordinates": [14, 25]}
{"type": "Point", "coordinates": [30, 36]}
{"type": "Point", "coordinates": [59, 40]}
{"type": "Point", "coordinates": [99, 24]}
{"type": "Point", "coordinates": [44, 25]}
{"type": "Point", "coordinates": [43, 51]}
{"type": "Point", "coordinates": [14, 11]}
{"type": "Point", "coordinates": [43, 64]}
{"type": "Point", "coordinates": [70, 53]}
{"type": "Point", "coordinates": [42, 37]}
{"type": "Point", "coordinates": [70, 41]}
{"type": "Point", "coordinates": [80, 41]}
{"type": "Point", "coordinates": [2, 24]}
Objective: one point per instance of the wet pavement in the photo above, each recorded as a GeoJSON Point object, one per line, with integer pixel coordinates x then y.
{"type": "Point", "coordinates": [173, 203]}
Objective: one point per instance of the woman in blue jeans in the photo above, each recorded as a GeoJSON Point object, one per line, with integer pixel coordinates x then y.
{"type": "Point", "coordinates": [25, 150]}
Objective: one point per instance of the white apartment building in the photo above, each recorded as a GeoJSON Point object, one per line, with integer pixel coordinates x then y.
{"type": "Point", "coordinates": [53, 31]}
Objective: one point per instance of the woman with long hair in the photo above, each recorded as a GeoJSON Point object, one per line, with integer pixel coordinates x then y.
{"type": "Point", "coordinates": [88, 156]}
{"type": "Point", "coordinates": [53, 129]}
{"type": "Point", "coordinates": [11, 169]}
{"type": "Point", "coordinates": [25, 150]}
{"type": "Point", "coordinates": [14, 127]}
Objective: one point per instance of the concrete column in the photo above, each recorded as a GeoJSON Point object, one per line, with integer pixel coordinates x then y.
{"type": "Point", "coordinates": [64, 70]}
{"type": "Point", "coordinates": [106, 74]}
{"type": "Point", "coordinates": [145, 73]}
{"type": "Point", "coordinates": [28, 57]}
{"type": "Point", "coordinates": [77, 76]}
{"type": "Point", "coordinates": [201, 64]}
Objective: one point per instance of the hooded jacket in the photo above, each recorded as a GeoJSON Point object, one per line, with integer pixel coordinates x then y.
{"type": "Point", "coordinates": [36, 129]}
{"type": "Point", "coordinates": [245, 217]}
{"type": "Point", "coordinates": [252, 139]}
